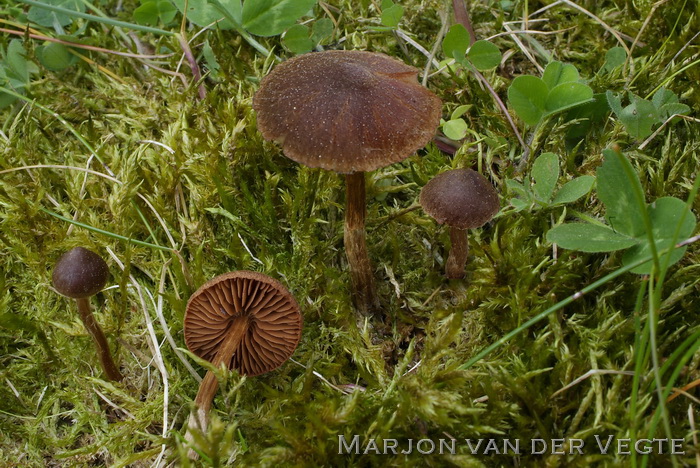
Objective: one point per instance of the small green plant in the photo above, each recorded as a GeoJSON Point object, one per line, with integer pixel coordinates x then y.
{"type": "Point", "coordinates": [391, 14]}
{"type": "Point", "coordinates": [153, 12]}
{"type": "Point", "coordinates": [15, 71]}
{"type": "Point", "coordinates": [641, 116]}
{"type": "Point", "coordinates": [538, 190]}
{"type": "Point", "coordinates": [300, 39]}
{"type": "Point", "coordinates": [53, 19]}
{"type": "Point", "coordinates": [482, 55]}
{"type": "Point", "coordinates": [559, 89]}
{"type": "Point", "coordinates": [456, 127]}
{"type": "Point", "coordinates": [261, 18]}
{"type": "Point", "coordinates": [634, 226]}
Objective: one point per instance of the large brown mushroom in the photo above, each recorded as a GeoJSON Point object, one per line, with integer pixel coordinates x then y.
{"type": "Point", "coordinates": [348, 112]}
{"type": "Point", "coordinates": [463, 199]}
{"type": "Point", "coordinates": [79, 274]}
{"type": "Point", "coordinates": [244, 320]}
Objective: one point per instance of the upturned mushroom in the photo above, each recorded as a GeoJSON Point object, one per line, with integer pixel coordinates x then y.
{"type": "Point", "coordinates": [244, 320]}
{"type": "Point", "coordinates": [463, 199]}
{"type": "Point", "coordinates": [79, 274]}
{"type": "Point", "coordinates": [348, 112]}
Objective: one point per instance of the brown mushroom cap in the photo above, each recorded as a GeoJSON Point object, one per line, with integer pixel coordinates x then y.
{"type": "Point", "coordinates": [462, 198]}
{"type": "Point", "coordinates": [346, 111]}
{"type": "Point", "coordinates": [270, 312]}
{"type": "Point", "coordinates": [80, 273]}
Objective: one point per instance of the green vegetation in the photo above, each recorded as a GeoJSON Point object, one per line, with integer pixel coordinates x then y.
{"type": "Point", "coordinates": [130, 131]}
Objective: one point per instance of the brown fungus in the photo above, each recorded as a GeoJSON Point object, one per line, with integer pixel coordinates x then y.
{"type": "Point", "coordinates": [244, 320]}
{"type": "Point", "coordinates": [348, 112]}
{"type": "Point", "coordinates": [463, 199]}
{"type": "Point", "coordinates": [79, 274]}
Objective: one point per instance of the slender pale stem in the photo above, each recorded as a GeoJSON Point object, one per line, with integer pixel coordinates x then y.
{"type": "Point", "coordinates": [209, 385]}
{"type": "Point", "coordinates": [457, 260]}
{"type": "Point", "coordinates": [98, 337]}
{"type": "Point", "coordinates": [364, 291]}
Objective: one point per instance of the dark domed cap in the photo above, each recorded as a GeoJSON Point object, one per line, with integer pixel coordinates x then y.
{"type": "Point", "coordinates": [346, 111]}
{"type": "Point", "coordinates": [80, 273]}
{"type": "Point", "coordinates": [462, 198]}
{"type": "Point", "coordinates": [270, 314]}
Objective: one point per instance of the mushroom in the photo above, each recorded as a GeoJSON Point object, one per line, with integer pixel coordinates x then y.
{"type": "Point", "coordinates": [79, 274]}
{"type": "Point", "coordinates": [463, 199]}
{"type": "Point", "coordinates": [348, 112]}
{"type": "Point", "coordinates": [244, 320]}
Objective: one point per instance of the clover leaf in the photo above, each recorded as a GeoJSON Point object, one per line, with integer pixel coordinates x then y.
{"type": "Point", "coordinates": [559, 89]}
{"type": "Point", "coordinates": [626, 218]}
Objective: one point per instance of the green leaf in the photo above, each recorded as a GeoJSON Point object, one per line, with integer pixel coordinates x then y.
{"type": "Point", "coordinates": [528, 96]}
{"type": "Point", "coordinates": [455, 129]}
{"type": "Point", "coordinates": [677, 108]}
{"type": "Point", "coordinates": [322, 30]}
{"type": "Point", "coordinates": [587, 237]}
{"type": "Point", "coordinates": [663, 96]}
{"type": "Point", "coordinates": [16, 62]}
{"type": "Point", "coordinates": [459, 111]}
{"type": "Point", "coordinates": [203, 12]}
{"type": "Point", "coordinates": [211, 62]}
{"type": "Point", "coordinates": [272, 17]}
{"type": "Point", "coordinates": [154, 12]}
{"type": "Point", "coordinates": [557, 73]}
{"type": "Point", "coordinates": [588, 114]}
{"type": "Point", "coordinates": [614, 58]}
{"type": "Point", "coordinates": [297, 39]}
{"type": "Point", "coordinates": [545, 172]}
{"type": "Point", "coordinates": [665, 215]}
{"type": "Point", "coordinates": [639, 117]}
{"type": "Point", "coordinates": [456, 42]}
{"type": "Point", "coordinates": [573, 190]}
{"type": "Point", "coordinates": [484, 55]}
{"type": "Point", "coordinates": [55, 56]}
{"type": "Point", "coordinates": [616, 192]}
{"type": "Point", "coordinates": [47, 18]}
{"type": "Point", "coordinates": [392, 15]}
{"type": "Point", "coordinates": [614, 102]}
{"type": "Point", "coordinates": [567, 95]}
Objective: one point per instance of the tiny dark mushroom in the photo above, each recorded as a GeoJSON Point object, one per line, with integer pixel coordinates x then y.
{"type": "Point", "coordinates": [348, 112]}
{"type": "Point", "coordinates": [244, 320]}
{"type": "Point", "coordinates": [79, 274]}
{"type": "Point", "coordinates": [463, 199]}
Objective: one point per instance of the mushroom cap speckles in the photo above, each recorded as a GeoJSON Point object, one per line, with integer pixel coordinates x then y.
{"type": "Point", "coordinates": [80, 273]}
{"type": "Point", "coordinates": [346, 111]}
{"type": "Point", "coordinates": [270, 311]}
{"type": "Point", "coordinates": [462, 198]}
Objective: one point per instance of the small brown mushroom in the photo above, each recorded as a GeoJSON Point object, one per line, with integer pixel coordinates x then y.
{"type": "Point", "coordinates": [348, 112]}
{"type": "Point", "coordinates": [79, 274]}
{"type": "Point", "coordinates": [244, 320]}
{"type": "Point", "coordinates": [463, 199]}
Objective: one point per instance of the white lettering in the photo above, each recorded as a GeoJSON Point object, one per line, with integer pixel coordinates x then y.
{"type": "Point", "coordinates": [425, 452]}
{"type": "Point", "coordinates": [677, 447]}
{"type": "Point", "coordinates": [390, 444]}
{"type": "Point", "coordinates": [450, 448]}
{"type": "Point", "coordinates": [508, 446]}
{"type": "Point", "coordinates": [491, 447]}
{"type": "Point", "coordinates": [473, 449]}
{"type": "Point", "coordinates": [577, 445]}
{"type": "Point", "coordinates": [603, 450]}
{"type": "Point", "coordinates": [544, 446]}
{"type": "Point", "coordinates": [348, 448]}
{"type": "Point", "coordinates": [623, 446]}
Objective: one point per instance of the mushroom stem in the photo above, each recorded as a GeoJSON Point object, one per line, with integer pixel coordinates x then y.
{"type": "Point", "coordinates": [209, 385]}
{"type": "Point", "coordinates": [457, 259]}
{"type": "Point", "coordinates": [364, 291]}
{"type": "Point", "coordinates": [99, 338]}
